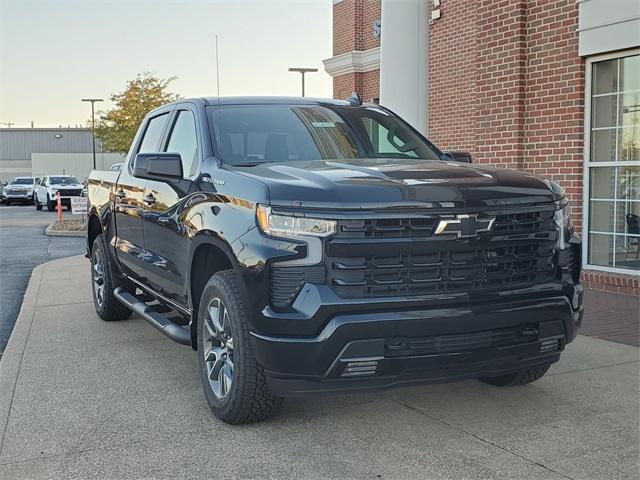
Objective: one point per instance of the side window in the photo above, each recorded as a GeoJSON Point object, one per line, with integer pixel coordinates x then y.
{"type": "Point", "coordinates": [183, 140]}
{"type": "Point", "coordinates": [44, 182]}
{"type": "Point", "coordinates": [387, 143]}
{"type": "Point", "coordinates": [152, 134]}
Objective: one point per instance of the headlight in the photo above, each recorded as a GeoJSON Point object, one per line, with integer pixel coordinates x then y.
{"type": "Point", "coordinates": [563, 222]}
{"type": "Point", "coordinates": [289, 226]}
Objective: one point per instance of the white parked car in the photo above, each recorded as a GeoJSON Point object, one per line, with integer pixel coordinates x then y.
{"type": "Point", "coordinates": [19, 189]}
{"type": "Point", "coordinates": [46, 194]}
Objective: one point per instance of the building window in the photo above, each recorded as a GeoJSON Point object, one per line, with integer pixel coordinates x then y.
{"type": "Point", "coordinates": [613, 203]}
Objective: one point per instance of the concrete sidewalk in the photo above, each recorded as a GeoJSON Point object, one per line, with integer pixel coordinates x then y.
{"type": "Point", "coordinates": [82, 398]}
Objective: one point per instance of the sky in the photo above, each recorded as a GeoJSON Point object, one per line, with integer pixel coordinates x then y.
{"type": "Point", "coordinates": [55, 52]}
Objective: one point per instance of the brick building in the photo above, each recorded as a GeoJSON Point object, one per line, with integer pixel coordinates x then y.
{"type": "Point", "coordinates": [548, 87]}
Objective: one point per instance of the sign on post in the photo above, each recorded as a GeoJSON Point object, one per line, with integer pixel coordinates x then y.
{"type": "Point", "coordinates": [79, 205]}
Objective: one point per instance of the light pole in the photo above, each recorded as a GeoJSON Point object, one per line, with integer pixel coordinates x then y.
{"type": "Point", "coordinates": [302, 72]}
{"type": "Point", "coordinates": [93, 125]}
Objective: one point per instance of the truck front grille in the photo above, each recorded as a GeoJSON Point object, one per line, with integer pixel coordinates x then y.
{"type": "Point", "coordinates": [404, 257]}
{"type": "Point", "coordinates": [442, 271]}
{"type": "Point", "coordinates": [69, 192]}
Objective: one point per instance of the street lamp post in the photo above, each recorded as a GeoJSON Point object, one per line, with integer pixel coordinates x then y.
{"type": "Point", "coordinates": [302, 72]}
{"type": "Point", "coordinates": [93, 125]}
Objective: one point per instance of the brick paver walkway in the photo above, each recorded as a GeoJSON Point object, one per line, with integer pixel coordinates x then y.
{"type": "Point", "coordinates": [612, 316]}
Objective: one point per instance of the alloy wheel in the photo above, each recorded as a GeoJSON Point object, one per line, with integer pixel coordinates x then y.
{"type": "Point", "coordinates": [98, 276]}
{"type": "Point", "coordinates": [218, 348]}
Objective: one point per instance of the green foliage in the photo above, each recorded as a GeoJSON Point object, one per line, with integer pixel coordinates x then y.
{"type": "Point", "coordinates": [117, 127]}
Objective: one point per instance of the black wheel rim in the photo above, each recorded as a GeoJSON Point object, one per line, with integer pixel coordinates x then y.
{"type": "Point", "coordinates": [218, 348]}
{"type": "Point", "coordinates": [97, 273]}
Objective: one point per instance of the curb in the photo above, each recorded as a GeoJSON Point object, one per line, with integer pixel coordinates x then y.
{"type": "Point", "coordinates": [13, 353]}
{"type": "Point", "coordinates": [63, 233]}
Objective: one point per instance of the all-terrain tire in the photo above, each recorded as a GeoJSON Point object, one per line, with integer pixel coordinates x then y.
{"type": "Point", "coordinates": [521, 377]}
{"type": "Point", "coordinates": [107, 306]}
{"type": "Point", "coordinates": [248, 399]}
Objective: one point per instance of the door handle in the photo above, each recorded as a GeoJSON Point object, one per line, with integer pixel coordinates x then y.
{"type": "Point", "coordinates": [149, 199]}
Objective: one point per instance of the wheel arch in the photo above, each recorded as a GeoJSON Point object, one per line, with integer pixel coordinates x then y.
{"type": "Point", "coordinates": [209, 254]}
{"type": "Point", "coordinates": [94, 228]}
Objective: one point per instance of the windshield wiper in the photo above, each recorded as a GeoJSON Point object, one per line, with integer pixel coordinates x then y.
{"type": "Point", "coordinates": [247, 164]}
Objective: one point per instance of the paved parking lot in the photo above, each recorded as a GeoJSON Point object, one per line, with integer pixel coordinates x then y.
{"type": "Point", "coordinates": [81, 398]}
{"type": "Point", "coordinates": [23, 245]}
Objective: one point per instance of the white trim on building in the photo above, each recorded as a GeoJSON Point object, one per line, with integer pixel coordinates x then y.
{"type": "Point", "coordinates": [353, 62]}
{"type": "Point", "coordinates": [608, 26]}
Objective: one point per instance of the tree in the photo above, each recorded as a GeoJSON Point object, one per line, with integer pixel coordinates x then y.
{"type": "Point", "coordinates": [117, 127]}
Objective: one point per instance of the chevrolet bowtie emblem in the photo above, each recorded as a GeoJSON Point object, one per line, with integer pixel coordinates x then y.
{"type": "Point", "coordinates": [465, 226]}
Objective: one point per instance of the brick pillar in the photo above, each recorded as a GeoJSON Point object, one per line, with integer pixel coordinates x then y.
{"type": "Point", "coordinates": [353, 31]}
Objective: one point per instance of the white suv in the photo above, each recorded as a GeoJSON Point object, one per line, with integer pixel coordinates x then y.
{"type": "Point", "coordinates": [46, 194]}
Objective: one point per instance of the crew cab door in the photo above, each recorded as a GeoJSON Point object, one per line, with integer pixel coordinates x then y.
{"type": "Point", "coordinates": [165, 235]}
{"type": "Point", "coordinates": [128, 208]}
{"type": "Point", "coordinates": [41, 190]}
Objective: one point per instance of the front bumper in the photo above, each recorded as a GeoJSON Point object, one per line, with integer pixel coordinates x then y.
{"type": "Point", "coordinates": [15, 196]}
{"type": "Point", "coordinates": [381, 349]}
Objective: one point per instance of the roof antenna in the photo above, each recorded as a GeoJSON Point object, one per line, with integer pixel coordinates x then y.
{"type": "Point", "coordinates": [354, 99]}
{"type": "Point", "coordinates": [218, 133]}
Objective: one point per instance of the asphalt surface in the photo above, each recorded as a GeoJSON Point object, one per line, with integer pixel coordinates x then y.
{"type": "Point", "coordinates": [82, 398]}
{"type": "Point", "coordinates": [23, 245]}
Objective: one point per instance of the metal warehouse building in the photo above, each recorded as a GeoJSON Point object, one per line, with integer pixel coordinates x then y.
{"type": "Point", "coordinates": [46, 151]}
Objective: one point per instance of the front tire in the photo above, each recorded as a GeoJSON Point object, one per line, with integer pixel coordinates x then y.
{"type": "Point", "coordinates": [107, 306]}
{"type": "Point", "coordinates": [521, 377]}
{"type": "Point", "coordinates": [50, 206]}
{"type": "Point", "coordinates": [37, 203]}
{"type": "Point", "coordinates": [234, 383]}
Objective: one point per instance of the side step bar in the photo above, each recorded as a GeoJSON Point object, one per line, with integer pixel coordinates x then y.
{"type": "Point", "coordinates": [173, 331]}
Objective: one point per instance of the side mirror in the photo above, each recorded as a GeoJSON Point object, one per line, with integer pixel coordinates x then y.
{"type": "Point", "coordinates": [162, 167]}
{"type": "Point", "coordinates": [464, 157]}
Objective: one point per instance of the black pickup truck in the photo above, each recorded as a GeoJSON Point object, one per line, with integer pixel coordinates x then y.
{"type": "Point", "coordinates": [305, 245]}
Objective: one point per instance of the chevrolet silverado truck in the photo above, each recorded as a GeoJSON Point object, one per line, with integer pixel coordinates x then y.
{"type": "Point", "coordinates": [305, 245]}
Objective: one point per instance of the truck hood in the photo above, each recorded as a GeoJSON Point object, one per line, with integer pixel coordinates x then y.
{"type": "Point", "coordinates": [379, 183]}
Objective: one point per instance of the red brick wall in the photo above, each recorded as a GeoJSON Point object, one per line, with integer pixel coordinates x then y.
{"type": "Point", "coordinates": [507, 84]}
{"type": "Point", "coordinates": [452, 77]}
{"type": "Point", "coordinates": [353, 31]}
{"type": "Point", "coordinates": [367, 84]}
{"type": "Point", "coordinates": [555, 97]}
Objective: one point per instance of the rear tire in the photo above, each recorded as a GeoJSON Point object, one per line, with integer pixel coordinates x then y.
{"type": "Point", "coordinates": [234, 383]}
{"type": "Point", "coordinates": [521, 377]}
{"type": "Point", "coordinates": [103, 283]}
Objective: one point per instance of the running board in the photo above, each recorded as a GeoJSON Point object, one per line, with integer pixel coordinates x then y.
{"type": "Point", "coordinates": [173, 331]}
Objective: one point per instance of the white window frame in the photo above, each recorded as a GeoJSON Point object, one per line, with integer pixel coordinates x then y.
{"type": "Point", "coordinates": [586, 162]}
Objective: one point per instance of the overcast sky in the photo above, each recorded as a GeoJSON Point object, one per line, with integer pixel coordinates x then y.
{"type": "Point", "coordinates": [52, 53]}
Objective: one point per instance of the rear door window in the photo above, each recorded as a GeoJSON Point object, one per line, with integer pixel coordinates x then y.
{"type": "Point", "coordinates": [153, 134]}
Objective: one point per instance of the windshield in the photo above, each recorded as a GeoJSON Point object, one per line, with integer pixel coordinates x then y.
{"type": "Point", "coordinates": [63, 180]}
{"type": "Point", "coordinates": [251, 134]}
{"type": "Point", "coordinates": [22, 181]}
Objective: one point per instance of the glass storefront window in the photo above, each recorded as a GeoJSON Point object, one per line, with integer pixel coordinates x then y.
{"type": "Point", "coordinates": [614, 165]}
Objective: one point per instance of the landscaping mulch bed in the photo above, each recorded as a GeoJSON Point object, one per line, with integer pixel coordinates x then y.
{"type": "Point", "coordinates": [70, 225]}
